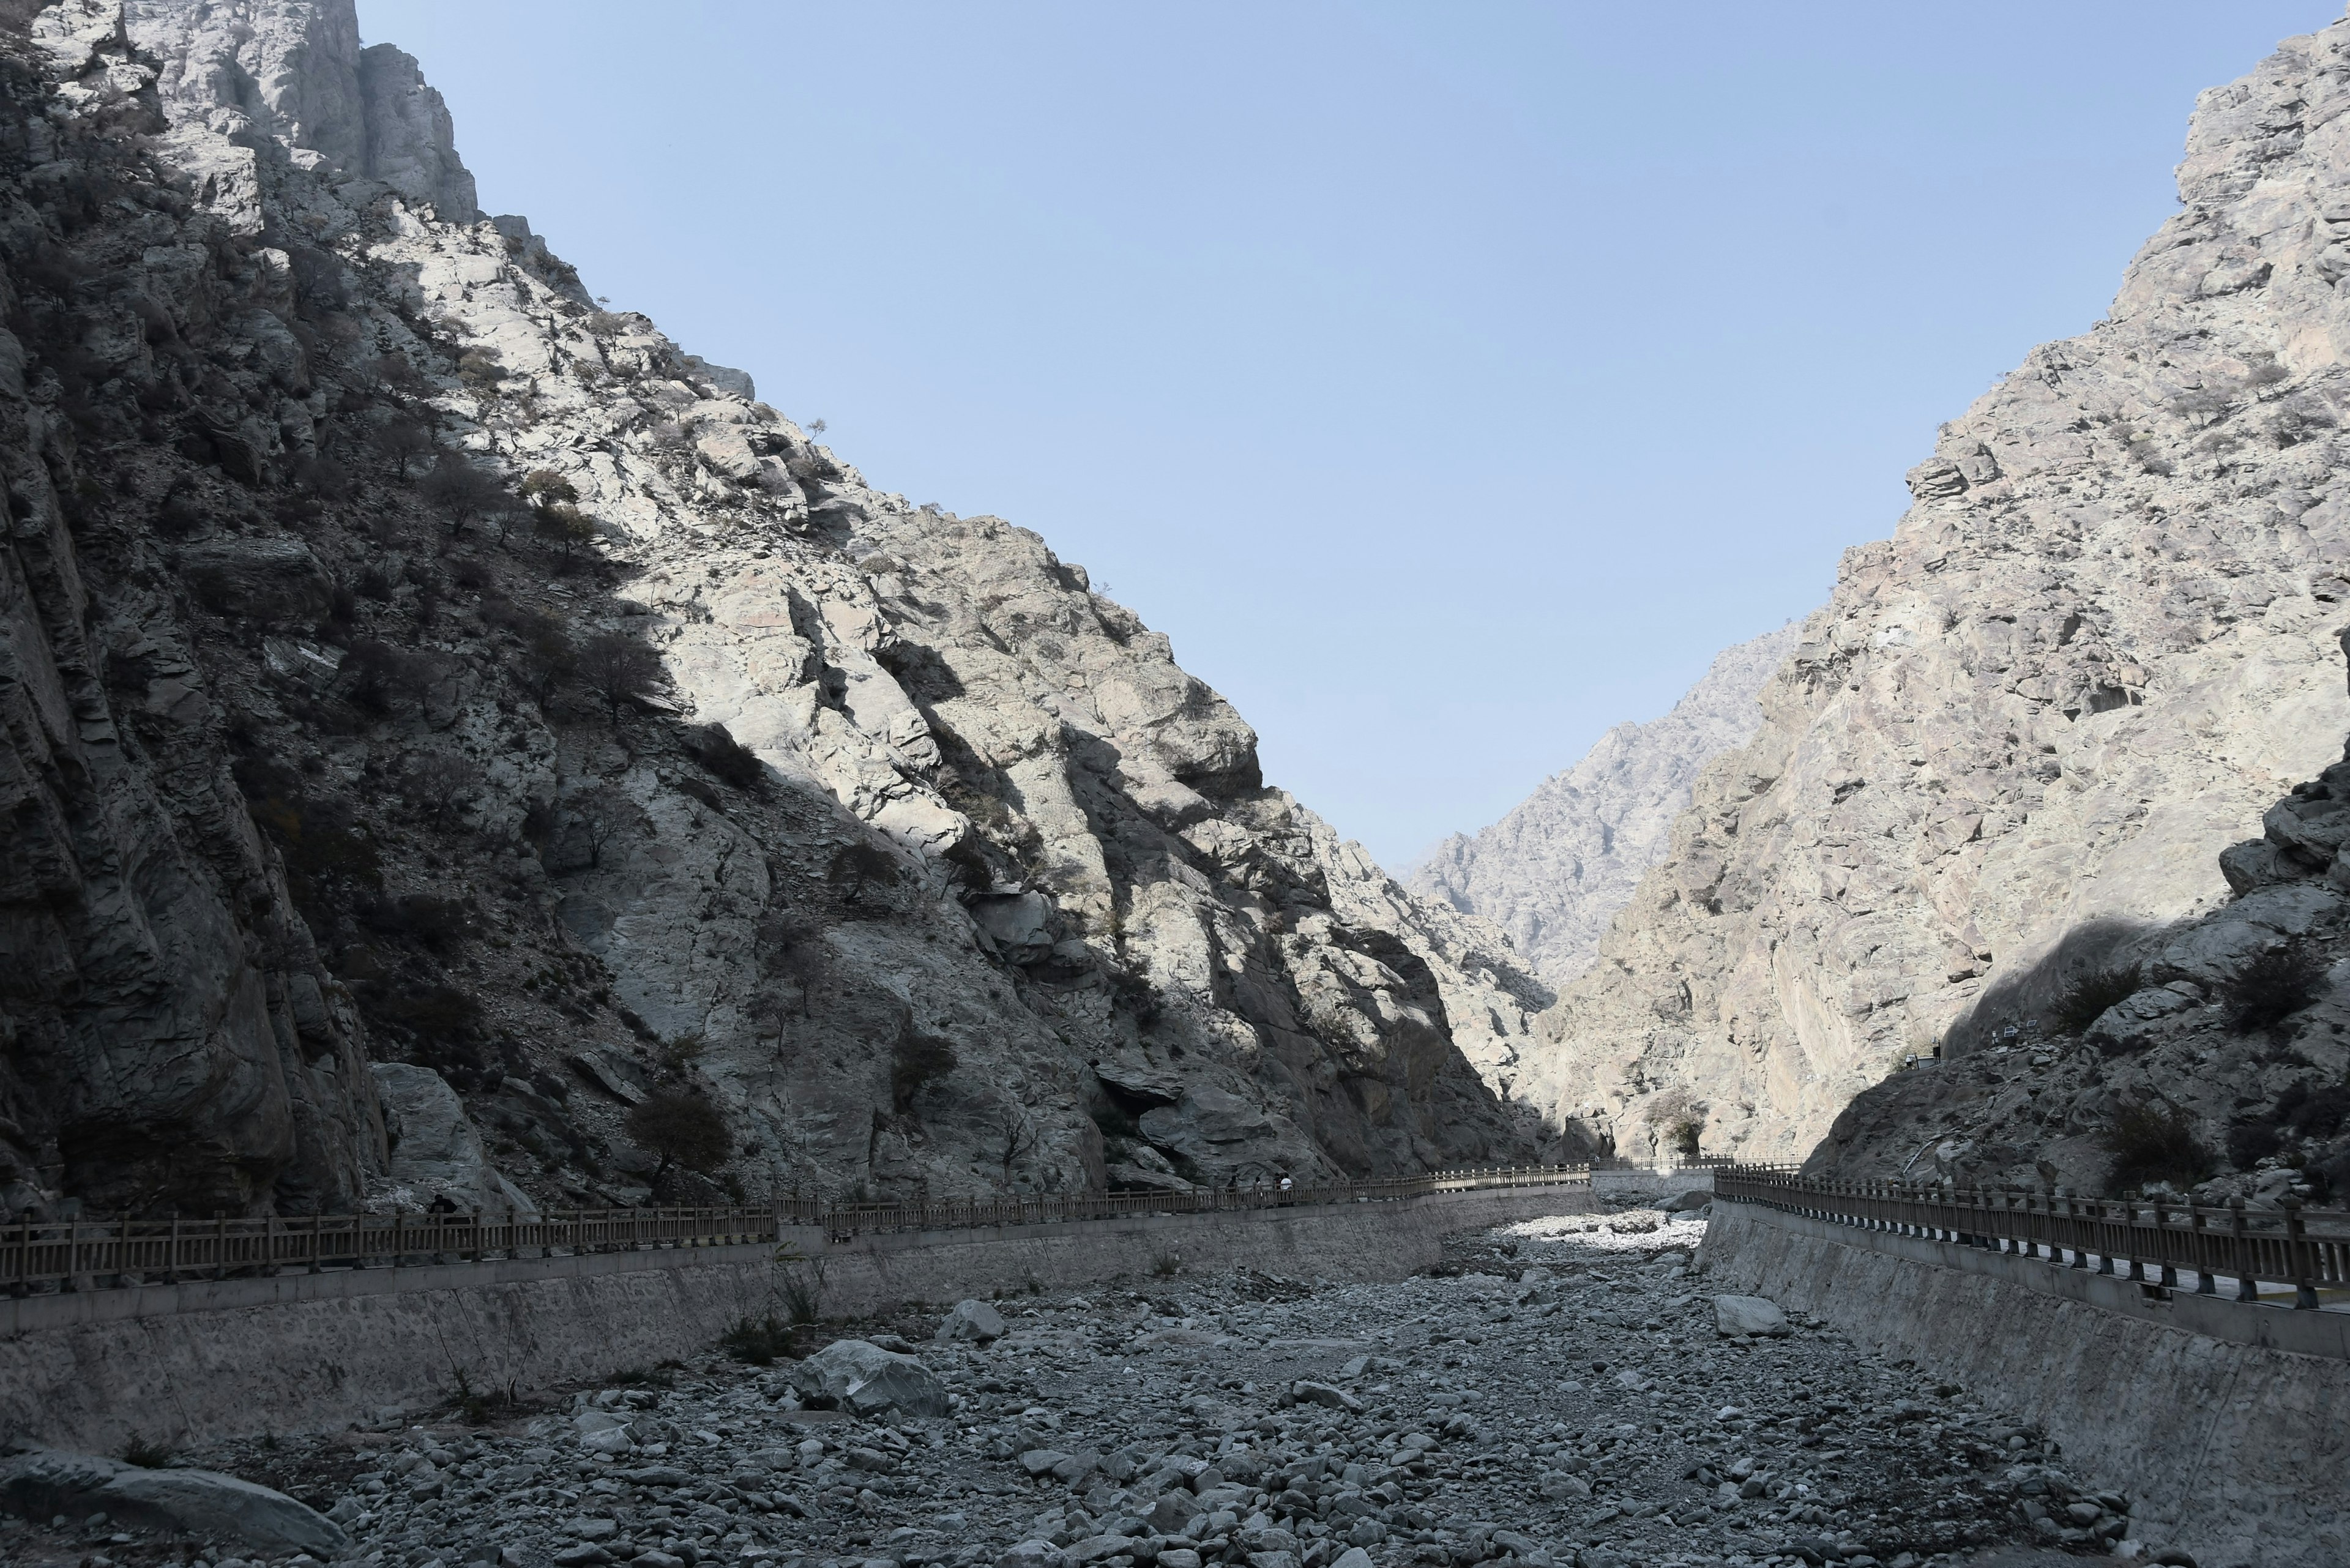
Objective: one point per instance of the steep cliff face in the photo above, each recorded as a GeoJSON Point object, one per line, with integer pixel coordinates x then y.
{"type": "Point", "coordinates": [1554, 872]}
{"type": "Point", "coordinates": [168, 1035]}
{"type": "Point", "coordinates": [2097, 644]}
{"type": "Point", "coordinates": [412, 660]}
{"type": "Point", "coordinates": [2207, 1056]}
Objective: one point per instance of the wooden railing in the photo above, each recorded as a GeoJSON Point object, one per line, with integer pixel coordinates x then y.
{"type": "Point", "coordinates": [2144, 1239]}
{"type": "Point", "coordinates": [95, 1254]}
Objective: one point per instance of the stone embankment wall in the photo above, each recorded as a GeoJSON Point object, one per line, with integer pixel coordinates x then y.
{"type": "Point", "coordinates": [194, 1361]}
{"type": "Point", "coordinates": [2227, 1444]}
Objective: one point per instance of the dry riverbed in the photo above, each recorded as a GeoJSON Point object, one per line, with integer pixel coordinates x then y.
{"type": "Point", "coordinates": [1565, 1391]}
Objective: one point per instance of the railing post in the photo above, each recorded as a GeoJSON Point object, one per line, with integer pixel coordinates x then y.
{"type": "Point", "coordinates": [2247, 1289]}
{"type": "Point", "coordinates": [2296, 1255]}
{"type": "Point", "coordinates": [2200, 1243]}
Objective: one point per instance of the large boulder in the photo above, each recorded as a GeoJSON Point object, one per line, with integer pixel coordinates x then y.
{"type": "Point", "coordinates": [1750, 1314]}
{"type": "Point", "coordinates": [1208, 1124]}
{"type": "Point", "coordinates": [975, 1321]}
{"type": "Point", "coordinates": [44, 1482]}
{"type": "Point", "coordinates": [261, 579]}
{"type": "Point", "coordinates": [855, 1376]}
{"type": "Point", "coordinates": [436, 1149]}
{"type": "Point", "coordinates": [1019, 924]}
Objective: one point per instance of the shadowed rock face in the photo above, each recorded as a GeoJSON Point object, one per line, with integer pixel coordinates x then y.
{"type": "Point", "coordinates": [871, 829]}
{"type": "Point", "coordinates": [1554, 871]}
{"type": "Point", "coordinates": [2098, 643]}
{"type": "Point", "coordinates": [171, 1038]}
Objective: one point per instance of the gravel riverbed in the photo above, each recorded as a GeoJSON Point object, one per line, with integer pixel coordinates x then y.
{"type": "Point", "coordinates": [1560, 1392]}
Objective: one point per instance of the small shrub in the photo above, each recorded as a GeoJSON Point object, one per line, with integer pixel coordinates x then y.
{"type": "Point", "coordinates": [544, 487]}
{"type": "Point", "coordinates": [471, 574]}
{"type": "Point", "coordinates": [402, 441]}
{"type": "Point", "coordinates": [145, 1455]}
{"type": "Point", "coordinates": [323, 477]}
{"type": "Point", "coordinates": [863, 872]}
{"type": "Point", "coordinates": [563, 526]}
{"type": "Point", "coordinates": [681, 1052]}
{"type": "Point", "coordinates": [619, 669]}
{"type": "Point", "coordinates": [480, 369]}
{"type": "Point", "coordinates": [759, 1341]}
{"type": "Point", "coordinates": [2085, 997]}
{"type": "Point", "coordinates": [641, 1377]}
{"type": "Point", "coordinates": [480, 1406]}
{"type": "Point", "coordinates": [431, 919]}
{"type": "Point", "coordinates": [463, 492]}
{"type": "Point", "coordinates": [802, 1289]}
{"type": "Point", "coordinates": [915, 1062]}
{"type": "Point", "coordinates": [728, 759]}
{"type": "Point", "coordinates": [1679, 1119]}
{"type": "Point", "coordinates": [2313, 1112]}
{"type": "Point", "coordinates": [2152, 1144]}
{"type": "Point", "coordinates": [2273, 988]}
{"type": "Point", "coordinates": [683, 1128]}
{"type": "Point", "coordinates": [2249, 1143]}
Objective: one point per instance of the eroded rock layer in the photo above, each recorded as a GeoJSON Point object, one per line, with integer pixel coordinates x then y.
{"type": "Point", "coordinates": [409, 661]}
{"type": "Point", "coordinates": [2101, 640]}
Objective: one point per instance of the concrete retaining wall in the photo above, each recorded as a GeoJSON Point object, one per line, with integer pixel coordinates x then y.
{"type": "Point", "coordinates": [200, 1360]}
{"type": "Point", "coordinates": [2231, 1447]}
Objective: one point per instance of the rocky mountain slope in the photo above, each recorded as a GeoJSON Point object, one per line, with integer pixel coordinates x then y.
{"type": "Point", "coordinates": [2207, 1057]}
{"type": "Point", "coordinates": [2100, 642]}
{"type": "Point", "coordinates": [409, 662]}
{"type": "Point", "coordinates": [1553, 873]}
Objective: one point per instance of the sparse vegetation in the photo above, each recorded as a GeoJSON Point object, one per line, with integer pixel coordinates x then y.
{"type": "Point", "coordinates": [146, 1455]}
{"type": "Point", "coordinates": [2083, 999]}
{"type": "Point", "coordinates": [2152, 1143]}
{"type": "Point", "coordinates": [404, 442]}
{"type": "Point", "coordinates": [619, 669]}
{"type": "Point", "coordinates": [461, 492]}
{"type": "Point", "coordinates": [759, 1341]}
{"type": "Point", "coordinates": [915, 1062]}
{"type": "Point", "coordinates": [2272, 987]}
{"type": "Point", "coordinates": [683, 1128]}
{"type": "Point", "coordinates": [1679, 1121]}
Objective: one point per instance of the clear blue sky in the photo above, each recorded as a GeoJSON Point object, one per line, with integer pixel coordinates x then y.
{"type": "Point", "coordinates": [1450, 381]}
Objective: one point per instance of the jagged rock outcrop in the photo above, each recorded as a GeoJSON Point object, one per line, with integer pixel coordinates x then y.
{"type": "Point", "coordinates": [2208, 1057]}
{"type": "Point", "coordinates": [172, 1037]}
{"type": "Point", "coordinates": [1553, 873]}
{"type": "Point", "coordinates": [2100, 642]}
{"type": "Point", "coordinates": [413, 662]}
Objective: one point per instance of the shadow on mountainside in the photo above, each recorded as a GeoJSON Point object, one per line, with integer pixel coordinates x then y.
{"type": "Point", "coordinates": [2209, 1057]}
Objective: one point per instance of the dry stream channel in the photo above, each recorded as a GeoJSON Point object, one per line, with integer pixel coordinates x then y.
{"type": "Point", "coordinates": [1565, 1391]}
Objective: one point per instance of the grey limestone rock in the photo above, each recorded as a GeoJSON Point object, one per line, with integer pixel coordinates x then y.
{"type": "Point", "coordinates": [853, 1374]}
{"type": "Point", "coordinates": [975, 1321]}
{"type": "Point", "coordinates": [205, 1504]}
{"type": "Point", "coordinates": [2091, 652]}
{"type": "Point", "coordinates": [261, 579]}
{"type": "Point", "coordinates": [436, 1150]}
{"type": "Point", "coordinates": [1750, 1315]}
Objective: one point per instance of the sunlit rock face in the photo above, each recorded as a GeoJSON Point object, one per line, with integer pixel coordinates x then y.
{"type": "Point", "coordinates": [2099, 643]}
